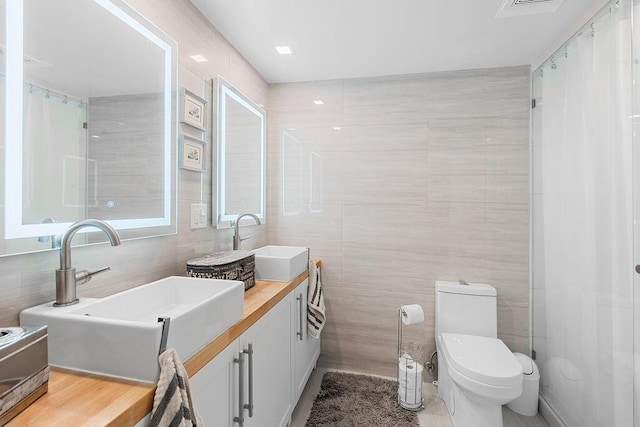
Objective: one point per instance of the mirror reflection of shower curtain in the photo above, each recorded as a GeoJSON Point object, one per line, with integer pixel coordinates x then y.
{"type": "Point", "coordinates": [53, 131]}
{"type": "Point", "coordinates": [587, 365]}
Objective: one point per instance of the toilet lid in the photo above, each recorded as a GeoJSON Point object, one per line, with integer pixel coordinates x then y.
{"type": "Point", "coordinates": [483, 359]}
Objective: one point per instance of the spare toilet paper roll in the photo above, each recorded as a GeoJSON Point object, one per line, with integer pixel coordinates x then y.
{"type": "Point", "coordinates": [410, 381]}
{"type": "Point", "coordinates": [412, 314]}
{"type": "Point", "coordinates": [409, 370]}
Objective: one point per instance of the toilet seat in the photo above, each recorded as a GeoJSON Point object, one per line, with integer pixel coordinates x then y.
{"type": "Point", "coordinates": [482, 359]}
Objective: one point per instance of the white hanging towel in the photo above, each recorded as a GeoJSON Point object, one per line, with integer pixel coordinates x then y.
{"type": "Point", "coordinates": [315, 304]}
{"type": "Point", "coordinates": [172, 404]}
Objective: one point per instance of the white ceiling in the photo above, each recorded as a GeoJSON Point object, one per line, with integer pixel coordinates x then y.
{"type": "Point", "coordinates": [357, 38]}
{"type": "Point", "coordinates": [85, 51]}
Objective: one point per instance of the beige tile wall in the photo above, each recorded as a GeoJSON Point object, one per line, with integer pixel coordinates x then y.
{"type": "Point", "coordinates": [29, 279]}
{"type": "Point", "coordinates": [134, 186]}
{"type": "Point", "coordinates": [428, 178]}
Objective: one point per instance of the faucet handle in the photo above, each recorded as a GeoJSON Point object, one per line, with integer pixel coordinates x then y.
{"type": "Point", "coordinates": [83, 276]}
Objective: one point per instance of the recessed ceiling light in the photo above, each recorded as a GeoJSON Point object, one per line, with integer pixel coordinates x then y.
{"type": "Point", "coordinates": [337, 128]}
{"type": "Point", "coordinates": [284, 50]}
{"type": "Point", "coordinates": [318, 102]}
{"type": "Point", "coordinates": [198, 58]}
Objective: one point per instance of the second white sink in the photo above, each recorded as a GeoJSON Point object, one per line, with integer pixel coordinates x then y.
{"type": "Point", "coordinates": [120, 335]}
{"type": "Point", "coordinates": [282, 263]}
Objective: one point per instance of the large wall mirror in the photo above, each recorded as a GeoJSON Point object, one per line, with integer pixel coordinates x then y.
{"type": "Point", "coordinates": [88, 122]}
{"type": "Point", "coordinates": [241, 156]}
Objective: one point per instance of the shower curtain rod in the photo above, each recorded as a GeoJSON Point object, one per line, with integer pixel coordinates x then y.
{"type": "Point", "coordinates": [606, 9]}
{"type": "Point", "coordinates": [65, 98]}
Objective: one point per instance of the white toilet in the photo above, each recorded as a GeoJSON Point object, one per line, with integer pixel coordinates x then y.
{"type": "Point", "coordinates": [477, 373]}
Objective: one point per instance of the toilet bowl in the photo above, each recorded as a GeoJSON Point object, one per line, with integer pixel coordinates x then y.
{"type": "Point", "coordinates": [477, 372]}
{"type": "Point", "coordinates": [478, 375]}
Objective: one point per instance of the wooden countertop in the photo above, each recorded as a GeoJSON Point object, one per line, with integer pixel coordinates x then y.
{"type": "Point", "coordinates": [82, 399]}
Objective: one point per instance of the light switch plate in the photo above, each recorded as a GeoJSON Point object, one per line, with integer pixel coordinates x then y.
{"type": "Point", "coordinates": [198, 215]}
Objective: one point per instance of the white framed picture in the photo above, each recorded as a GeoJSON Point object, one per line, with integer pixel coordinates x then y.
{"type": "Point", "coordinates": [192, 154]}
{"type": "Point", "coordinates": [194, 110]}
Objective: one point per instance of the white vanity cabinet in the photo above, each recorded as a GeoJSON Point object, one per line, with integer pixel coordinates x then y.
{"type": "Point", "coordinates": [270, 340]}
{"type": "Point", "coordinates": [214, 388]}
{"type": "Point", "coordinates": [305, 348]}
{"type": "Point", "coordinates": [274, 358]}
{"type": "Point", "coordinates": [258, 365]}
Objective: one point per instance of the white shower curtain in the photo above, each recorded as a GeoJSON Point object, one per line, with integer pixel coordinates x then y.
{"type": "Point", "coordinates": [587, 369]}
{"type": "Point", "coordinates": [53, 133]}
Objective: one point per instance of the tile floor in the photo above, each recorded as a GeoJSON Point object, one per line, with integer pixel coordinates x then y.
{"type": "Point", "coordinates": [434, 414]}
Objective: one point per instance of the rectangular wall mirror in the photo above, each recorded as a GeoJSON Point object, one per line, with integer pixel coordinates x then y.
{"type": "Point", "coordinates": [88, 122]}
{"type": "Point", "coordinates": [241, 156]}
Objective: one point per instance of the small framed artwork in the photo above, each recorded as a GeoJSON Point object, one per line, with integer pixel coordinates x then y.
{"type": "Point", "coordinates": [194, 110]}
{"type": "Point", "coordinates": [192, 154]}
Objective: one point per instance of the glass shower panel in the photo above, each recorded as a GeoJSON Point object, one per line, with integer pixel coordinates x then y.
{"type": "Point", "coordinates": [538, 325]}
{"type": "Point", "coordinates": [635, 125]}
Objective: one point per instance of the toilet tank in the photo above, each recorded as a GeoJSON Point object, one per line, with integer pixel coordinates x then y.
{"type": "Point", "coordinates": [466, 309]}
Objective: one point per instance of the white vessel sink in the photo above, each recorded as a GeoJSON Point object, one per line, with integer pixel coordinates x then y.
{"type": "Point", "coordinates": [283, 263]}
{"type": "Point", "coordinates": [120, 335]}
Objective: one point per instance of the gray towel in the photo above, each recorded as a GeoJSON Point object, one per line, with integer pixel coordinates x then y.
{"type": "Point", "coordinates": [315, 304]}
{"type": "Point", "coordinates": [172, 406]}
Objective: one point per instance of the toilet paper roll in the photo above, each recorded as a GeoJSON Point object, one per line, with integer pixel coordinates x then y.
{"type": "Point", "coordinates": [409, 371]}
{"type": "Point", "coordinates": [412, 314]}
{"type": "Point", "coordinates": [412, 396]}
{"type": "Point", "coordinates": [410, 382]}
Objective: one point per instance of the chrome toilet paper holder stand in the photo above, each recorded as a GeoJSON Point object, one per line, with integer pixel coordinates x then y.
{"type": "Point", "coordinates": [403, 404]}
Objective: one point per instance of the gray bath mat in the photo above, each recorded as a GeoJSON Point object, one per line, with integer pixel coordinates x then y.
{"type": "Point", "coordinates": [348, 400]}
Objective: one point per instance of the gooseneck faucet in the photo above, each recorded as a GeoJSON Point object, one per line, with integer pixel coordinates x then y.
{"type": "Point", "coordinates": [236, 229]}
{"type": "Point", "coordinates": [66, 277]}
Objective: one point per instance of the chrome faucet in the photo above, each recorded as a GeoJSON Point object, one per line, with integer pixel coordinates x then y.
{"type": "Point", "coordinates": [236, 229]}
{"type": "Point", "coordinates": [66, 277]}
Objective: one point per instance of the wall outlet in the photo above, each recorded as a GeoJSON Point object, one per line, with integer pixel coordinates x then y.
{"type": "Point", "coordinates": [198, 215]}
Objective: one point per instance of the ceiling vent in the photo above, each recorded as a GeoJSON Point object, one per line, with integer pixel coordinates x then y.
{"type": "Point", "coordinates": [527, 7]}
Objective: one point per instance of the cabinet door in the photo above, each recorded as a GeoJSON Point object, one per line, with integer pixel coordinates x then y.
{"type": "Point", "coordinates": [214, 389]}
{"type": "Point", "coordinates": [306, 349]}
{"type": "Point", "coordinates": [270, 338]}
